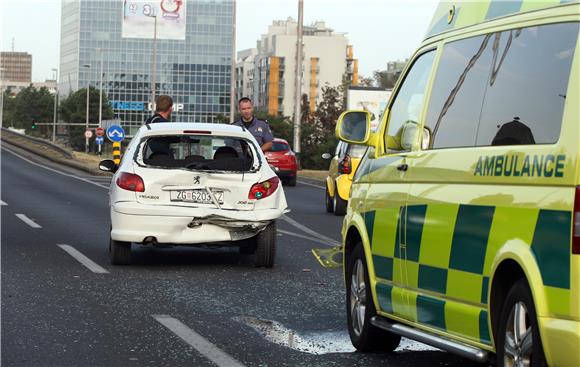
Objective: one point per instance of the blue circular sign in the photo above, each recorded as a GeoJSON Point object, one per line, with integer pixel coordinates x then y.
{"type": "Point", "coordinates": [115, 133]}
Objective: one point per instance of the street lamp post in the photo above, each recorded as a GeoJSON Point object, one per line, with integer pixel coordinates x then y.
{"type": "Point", "coordinates": [55, 104]}
{"type": "Point", "coordinates": [2, 97]}
{"type": "Point", "coordinates": [151, 13]}
{"type": "Point", "coordinates": [100, 95]}
{"type": "Point", "coordinates": [87, 117]}
{"type": "Point", "coordinates": [298, 81]}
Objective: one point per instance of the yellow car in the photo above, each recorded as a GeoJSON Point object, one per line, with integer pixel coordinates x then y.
{"type": "Point", "coordinates": [463, 225]}
{"type": "Point", "coordinates": [343, 165]}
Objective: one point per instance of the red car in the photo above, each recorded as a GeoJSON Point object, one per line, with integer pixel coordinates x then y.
{"type": "Point", "coordinates": [283, 161]}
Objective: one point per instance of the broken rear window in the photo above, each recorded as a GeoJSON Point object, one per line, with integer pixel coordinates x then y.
{"type": "Point", "coordinates": [199, 152]}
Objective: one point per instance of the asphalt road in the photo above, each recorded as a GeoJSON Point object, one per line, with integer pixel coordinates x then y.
{"type": "Point", "coordinates": [64, 305]}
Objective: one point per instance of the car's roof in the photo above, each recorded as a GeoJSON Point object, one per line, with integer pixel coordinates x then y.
{"type": "Point", "coordinates": [170, 128]}
{"type": "Point", "coordinates": [280, 140]}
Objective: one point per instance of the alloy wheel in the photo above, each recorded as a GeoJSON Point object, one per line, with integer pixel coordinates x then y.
{"type": "Point", "coordinates": [518, 344]}
{"type": "Point", "coordinates": [358, 299]}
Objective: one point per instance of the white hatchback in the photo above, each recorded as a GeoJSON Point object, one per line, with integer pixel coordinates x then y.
{"type": "Point", "coordinates": [194, 184]}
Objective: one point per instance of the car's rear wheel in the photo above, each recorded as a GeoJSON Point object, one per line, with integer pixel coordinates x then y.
{"type": "Point", "coordinates": [266, 246]}
{"type": "Point", "coordinates": [518, 341]}
{"type": "Point", "coordinates": [328, 201]}
{"type": "Point", "coordinates": [291, 181]}
{"type": "Point", "coordinates": [119, 252]}
{"type": "Point", "coordinates": [248, 247]}
{"type": "Point", "coordinates": [339, 205]}
{"type": "Point", "coordinates": [360, 308]}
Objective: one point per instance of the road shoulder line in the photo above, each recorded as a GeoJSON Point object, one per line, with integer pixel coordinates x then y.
{"type": "Point", "coordinates": [88, 263]}
{"type": "Point", "coordinates": [28, 221]}
{"type": "Point", "coordinates": [198, 342]}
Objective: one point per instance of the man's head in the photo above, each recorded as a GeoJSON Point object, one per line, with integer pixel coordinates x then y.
{"type": "Point", "coordinates": [246, 108]}
{"type": "Point", "coordinates": [164, 106]}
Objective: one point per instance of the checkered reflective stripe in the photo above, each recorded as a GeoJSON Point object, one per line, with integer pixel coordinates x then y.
{"type": "Point", "coordinates": [445, 256]}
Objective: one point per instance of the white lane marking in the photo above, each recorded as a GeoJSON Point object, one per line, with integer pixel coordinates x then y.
{"type": "Point", "coordinates": [327, 240]}
{"type": "Point", "coordinates": [28, 221]}
{"type": "Point", "coordinates": [2, 203]}
{"type": "Point", "coordinates": [202, 345]}
{"type": "Point", "coordinates": [302, 236]}
{"type": "Point", "coordinates": [88, 263]}
{"type": "Point", "coordinates": [55, 171]}
{"type": "Point", "coordinates": [311, 184]}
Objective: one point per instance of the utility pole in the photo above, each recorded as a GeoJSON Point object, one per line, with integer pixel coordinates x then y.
{"type": "Point", "coordinates": [233, 80]}
{"type": "Point", "coordinates": [55, 104]}
{"type": "Point", "coordinates": [298, 80]}
{"type": "Point", "coordinates": [87, 115]}
{"type": "Point", "coordinates": [101, 96]}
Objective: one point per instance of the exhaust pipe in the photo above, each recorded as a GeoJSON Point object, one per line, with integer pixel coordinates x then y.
{"type": "Point", "coordinates": [150, 241]}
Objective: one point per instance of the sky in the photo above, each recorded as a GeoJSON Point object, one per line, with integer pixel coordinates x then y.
{"type": "Point", "coordinates": [379, 30]}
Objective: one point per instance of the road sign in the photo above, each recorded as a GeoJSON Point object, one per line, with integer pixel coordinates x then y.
{"type": "Point", "coordinates": [88, 134]}
{"type": "Point", "coordinates": [115, 133]}
{"type": "Point", "coordinates": [100, 131]}
{"type": "Point", "coordinates": [99, 140]}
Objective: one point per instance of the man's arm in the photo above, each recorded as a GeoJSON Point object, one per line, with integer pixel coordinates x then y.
{"type": "Point", "coordinates": [266, 146]}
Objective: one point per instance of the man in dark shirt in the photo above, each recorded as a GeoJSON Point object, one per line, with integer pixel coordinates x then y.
{"type": "Point", "coordinates": [163, 109]}
{"type": "Point", "coordinates": [258, 128]}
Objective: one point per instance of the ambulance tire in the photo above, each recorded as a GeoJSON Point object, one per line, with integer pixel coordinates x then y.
{"type": "Point", "coordinates": [328, 201]}
{"type": "Point", "coordinates": [365, 337]}
{"type": "Point", "coordinates": [266, 247]}
{"type": "Point", "coordinates": [119, 252]}
{"type": "Point", "coordinates": [339, 203]}
{"type": "Point", "coordinates": [519, 301]}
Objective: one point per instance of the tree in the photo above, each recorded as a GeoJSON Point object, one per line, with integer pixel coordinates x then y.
{"type": "Point", "coordinates": [73, 111]}
{"type": "Point", "coordinates": [318, 132]}
{"type": "Point", "coordinates": [28, 106]}
{"type": "Point", "coordinates": [386, 80]}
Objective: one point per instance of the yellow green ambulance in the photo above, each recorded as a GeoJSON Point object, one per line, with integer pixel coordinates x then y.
{"type": "Point", "coordinates": [463, 226]}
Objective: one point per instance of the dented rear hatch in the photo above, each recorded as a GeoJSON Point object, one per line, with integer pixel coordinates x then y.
{"type": "Point", "coordinates": [197, 171]}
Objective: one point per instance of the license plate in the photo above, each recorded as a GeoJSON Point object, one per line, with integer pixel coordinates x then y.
{"type": "Point", "coordinates": [197, 196]}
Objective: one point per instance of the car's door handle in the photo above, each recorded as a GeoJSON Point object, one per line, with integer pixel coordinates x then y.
{"type": "Point", "coordinates": [403, 167]}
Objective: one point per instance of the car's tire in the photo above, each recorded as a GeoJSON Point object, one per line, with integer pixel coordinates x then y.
{"type": "Point", "coordinates": [523, 345]}
{"type": "Point", "coordinates": [248, 247]}
{"type": "Point", "coordinates": [291, 181]}
{"type": "Point", "coordinates": [328, 201]}
{"type": "Point", "coordinates": [266, 246]}
{"type": "Point", "coordinates": [119, 252]}
{"type": "Point", "coordinates": [359, 310]}
{"type": "Point", "coordinates": [339, 205]}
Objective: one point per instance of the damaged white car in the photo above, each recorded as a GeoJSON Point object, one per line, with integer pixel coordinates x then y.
{"type": "Point", "coordinates": [194, 184]}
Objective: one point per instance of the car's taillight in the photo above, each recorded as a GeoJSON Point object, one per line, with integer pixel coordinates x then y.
{"type": "Point", "coordinates": [344, 166]}
{"type": "Point", "coordinates": [576, 228]}
{"type": "Point", "coordinates": [264, 189]}
{"type": "Point", "coordinates": [131, 182]}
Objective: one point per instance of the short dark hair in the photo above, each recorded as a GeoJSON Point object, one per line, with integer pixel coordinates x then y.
{"type": "Point", "coordinates": [163, 103]}
{"type": "Point", "coordinates": [245, 99]}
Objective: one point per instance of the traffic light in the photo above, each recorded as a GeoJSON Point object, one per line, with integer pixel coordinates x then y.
{"type": "Point", "coordinates": [33, 125]}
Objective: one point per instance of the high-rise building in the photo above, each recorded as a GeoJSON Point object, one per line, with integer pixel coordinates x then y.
{"type": "Point", "coordinates": [193, 41]}
{"type": "Point", "coordinates": [327, 59]}
{"type": "Point", "coordinates": [16, 67]}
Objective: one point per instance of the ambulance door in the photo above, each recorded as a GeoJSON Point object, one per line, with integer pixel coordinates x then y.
{"type": "Point", "coordinates": [385, 204]}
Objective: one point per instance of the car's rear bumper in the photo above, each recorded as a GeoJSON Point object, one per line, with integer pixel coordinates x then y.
{"type": "Point", "coordinates": [560, 339]}
{"type": "Point", "coordinates": [134, 222]}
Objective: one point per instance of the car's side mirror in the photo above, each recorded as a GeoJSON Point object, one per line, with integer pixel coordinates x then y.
{"type": "Point", "coordinates": [326, 156]}
{"type": "Point", "coordinates": [108, 165]}
{"type": "Point", "coordinates": [354, 127]}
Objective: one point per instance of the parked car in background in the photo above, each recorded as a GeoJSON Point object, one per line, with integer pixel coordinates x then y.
{"type": "Point", "coordinates": [283, 161]}
{"type": "Point", "coordinates": [340, 173]}
{"type": "Point", "coordinates": [197, 185]}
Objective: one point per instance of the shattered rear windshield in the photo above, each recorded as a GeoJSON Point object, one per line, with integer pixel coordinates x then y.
{"type": "Point", "coordinates": [199, 152]}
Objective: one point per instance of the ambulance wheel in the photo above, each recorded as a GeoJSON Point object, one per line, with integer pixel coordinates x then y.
{"type": "Point", "coordinates": [360, 309]}
{"type": "Point", "coordinates": [266, 246]}
{"type": "Point", "coordinates": [518, 341]}
{"type": "Point", "coordinates": [328, 202]}
{"type": "Point", "coordinates": [119, 252]}
{"type": "Point", "coordinates": [339, 205]}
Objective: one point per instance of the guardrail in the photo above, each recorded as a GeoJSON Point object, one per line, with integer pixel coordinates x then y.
{"type": "Point", "coordinates": [44, 142]}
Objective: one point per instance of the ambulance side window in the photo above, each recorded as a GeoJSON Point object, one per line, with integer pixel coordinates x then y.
{"type": "Point", "coordinates": [530, 69]}
{"type": "Point", "coordinates": [458, 92]}
{"type": "Point", "coordinates": [406, 109]}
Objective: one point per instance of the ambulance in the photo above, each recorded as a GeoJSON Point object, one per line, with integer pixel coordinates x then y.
{"type": "Point", "coordinates": [462, 229]}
